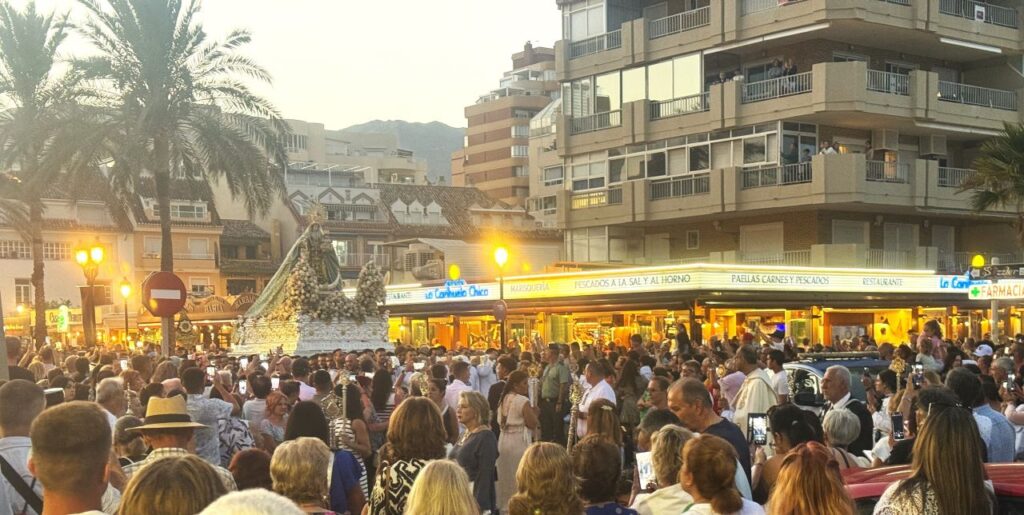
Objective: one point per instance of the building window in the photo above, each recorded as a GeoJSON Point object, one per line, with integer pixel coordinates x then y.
{"type": "Point", "coordinates": [341, 249]}
{"type": "Point", "coordinates": [23, 291]}
{"type": "Point", "coordinates": [229, 251]}
{"type": "Point", "coordinates": [56, 251]}
{"type": "Point", "coordinates": [200, 286]}
{"type": "Point", "coordinates": [520, 131]}
{"type": "Point", "coordinates": [151, 247]}
{"type": "Point", "coordinates": [583, 19]}
{"type": "Point", "coordinates": [15, 249]}
{"type": "Point", "coordinates": [520, 171]}
{"type": "Point", "coordinates": [692, 240]}
{"type": "Point", "coordinates": [522, 115]}
{"type": "Point", "coordinates": [199, 248]}
{"type": "Point", "coordinates": [240, 286]}
{"type": "Point", "coordinates": [188, 211]}
{"type": "Point", "coordinates": [554, 175]}
{"type": "Point", "coordinates": [520, 151]}
{"type": "Point", "coordinates": [295, 142]}
{"type": "Point", "coordinates": [546, 205]}
{"type": "Point", "coordinates": [520, 191]}
{"type": "Point", "coordinates": [588, 176]}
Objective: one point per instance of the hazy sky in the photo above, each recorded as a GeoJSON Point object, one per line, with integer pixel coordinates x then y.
{"type": "Point", "coordinates": [342, 62]}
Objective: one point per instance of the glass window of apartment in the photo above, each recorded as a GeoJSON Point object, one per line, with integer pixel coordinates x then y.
{"type": "Point", "coordinates": [23, 291]}
{"type": "Point", "coordinates": [636, 167]}
{"type": "Point", "coordinates": [341, 248]}
{"type": "Point", "coordinates": [240, 286]}
{"type": "Point", "coordinates": [14, 249]}
{"type": "Point", "coordinates": [198, 248]}
{"type": "Point", "coordinates": [189, 211]}
{"type": "Point", "coordinates": [588, 176]}
{"type": "Point", "coordinates": [755, 150]}
{"type": "Point", "coordinates": [584, 19]}
{"type": "Point", "coordinates": [659, 86]}
{"type": "Point", "coordinates": [520, 191]}
{"type": "Point", "coordinates": [151, 246]}
{"type": "Point", "coordinates": [607, 94]}
{"type": "Point", "coordinates": [581, 99]}
{"type": "Point", "coordinates": [656, 165]}
{"type": "Point", "coordinates": [56, 251]}
{"type": "Point", "coordinates": [845, 57]}
{"type": "Point", "coordinates": [634, 84]}
{"type": "Point", "coordinates": [548, 204]}
{"type": "Point", "coordinates": [520, 171]}
{"type": "Point", "coordinates": [590, 245]}
{"type": "Point", "coordinates": [520, 131]}
{"type": "Point", "coordinates": [700, 158]}
{"type": "Point", "coordinates": [520, 151]}
{"type": "Point", "coordinates": [200, 285]}
{"type": "Point", "coordinates": [553, 175]}
{"type": "Point", "coordinates": [692, 240]}
{"type": "Point", "coordinates": [686, 74]}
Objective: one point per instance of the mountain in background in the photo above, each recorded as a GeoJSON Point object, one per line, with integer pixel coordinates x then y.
{"type": "Point", "coordinates": [433, 142]}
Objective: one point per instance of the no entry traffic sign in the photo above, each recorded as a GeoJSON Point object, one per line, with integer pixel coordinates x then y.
{"type": "Point", "coordinates": [163, 294]}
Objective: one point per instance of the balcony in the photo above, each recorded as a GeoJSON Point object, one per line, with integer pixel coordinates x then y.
{"type": "Point", "coordinates": [679, 22]}
{"type": "Point", "coordinates": [679, 106]}
{"type": "Point", "coordinates": [960, 262]}
{"type": "Point", "coordinates": [786, 258]}
{"type": "Point", "coordinates": [678, 187]}
{"type": "Point", "coordinates": [783, 175]}
{"type": "Point", "coordinates": [608, 197]}
{"type": "Point", "coordinates": [777, 88]}
{"type": "Point", "coordinates": [979, 11]}
{"type": "Point", "coordinates": [977, 96]}
{"type": "Point", "coordinates": [595, 122]}
{"type": "Point", "coordinates": [584, 47]}
{"type": "Point", "coordinates": [898, 259]}
{"type": "Point", "coordinates": [888, 82]}
{"type": "Point", "coordinates": [953, 177]}
{"type": "Point", "coordinates": [885, 171]}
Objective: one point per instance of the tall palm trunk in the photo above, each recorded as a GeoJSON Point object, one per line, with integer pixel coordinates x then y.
{"type": "Point", "coordinates": [38, 289]}
{"type": "Point", "coordinates": [162, 182]}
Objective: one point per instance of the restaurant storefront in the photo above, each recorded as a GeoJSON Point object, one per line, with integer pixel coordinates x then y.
{"type": "Point", "coordinates": [817, 305]}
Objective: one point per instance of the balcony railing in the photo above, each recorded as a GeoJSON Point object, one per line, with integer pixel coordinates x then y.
{"type": "Point", "coordinates": [756, 6]}
{"type": "Point", "coordinates": [679, 106]}
{"type": "Point", "coordinates": [680, 22]}
{"type": "Point", "coordinates": [685, 186]}
{"type": "Point", "coordinates": [888, 82]}
{"type": "Point", "coordinates": [878, 258]}
{"type": "Point", "coordinates": [198, 256]}
{"type": "Point", "coordinates": [595, 44]}
{"type": "Point", "coordinates": [885, 171]}
{"type": "Point", "coordinates": [595, 122]}
{"type": "Point", "coordinates": [953, 177]}
{"type": "Point", "coordinates": [590, 199]}
{"type": "Point", "coordinates": [960, 262]}
{"type": "Point", "coordinates": [777, 88]}
{"type": "Point", "coordinates": [789, 258]}
{"type": "Point", "coordinates": [782, 175]}
{"type": "Point", "coordinates": [977, 96]}
{"type": "Point", "coordinates": [979, 11]}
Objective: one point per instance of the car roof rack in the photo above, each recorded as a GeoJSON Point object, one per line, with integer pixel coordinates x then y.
{"type": "Point", "coordinates": [836, 356]}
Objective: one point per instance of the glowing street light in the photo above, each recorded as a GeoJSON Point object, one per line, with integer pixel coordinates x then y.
{"type": "Point", "coordinates": [90, 258]}
{"type": "Point", "coordinates": [126, 291]}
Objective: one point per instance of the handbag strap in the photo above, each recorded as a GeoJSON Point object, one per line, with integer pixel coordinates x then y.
{"type": "Point", "coordinates": [26, 492]}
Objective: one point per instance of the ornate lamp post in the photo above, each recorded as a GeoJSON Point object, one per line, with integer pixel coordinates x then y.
{"type": "Point", "coordinates": [126, 291]}
{"type": "Point", "coordinates": [89, 258]}
{"type": "Point", "coordinates": [500, 258]}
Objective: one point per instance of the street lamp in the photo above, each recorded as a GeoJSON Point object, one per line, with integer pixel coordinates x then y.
{"type": "Point", "coordinates": [500, 258]}
{"type": "Point", "coordinates": [126, 291]}
{"type": "Point", "coordinates": [89, 258]}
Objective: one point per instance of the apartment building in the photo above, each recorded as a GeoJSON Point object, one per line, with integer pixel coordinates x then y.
{"type": "Point", "coordinates": [350, 157]}
{"type": "Point", "coordinates": [690, 131]}
{"type": "Point", "coordinates": [495, 157]}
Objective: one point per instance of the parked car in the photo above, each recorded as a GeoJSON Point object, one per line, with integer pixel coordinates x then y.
{"type": "Point", "coordinates": [805, 375]}
{"type": "Point", "coordinates": [867, 485]}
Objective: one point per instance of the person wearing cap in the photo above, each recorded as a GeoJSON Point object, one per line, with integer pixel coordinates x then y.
{"type": "Point", "coordinates": [983, 350]}
{"type": "Point", "coordinates": [168, 431]}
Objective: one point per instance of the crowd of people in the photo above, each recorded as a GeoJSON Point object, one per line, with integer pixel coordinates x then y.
{"type": "Point", "coordinates": [647, 428]}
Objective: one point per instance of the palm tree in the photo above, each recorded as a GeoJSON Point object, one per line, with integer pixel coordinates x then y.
{"type": "Point", "coordinates": [999, 177]}
{"type": "Point", "coordinates": [37, 99]}
{"type": "Point", "coordinates": [184, 108]}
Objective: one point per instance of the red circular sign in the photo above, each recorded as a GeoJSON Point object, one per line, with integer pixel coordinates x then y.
{"type": "Point", "coordinates": [163, 294]}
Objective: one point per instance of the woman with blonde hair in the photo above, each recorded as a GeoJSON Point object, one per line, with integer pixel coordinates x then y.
{"type": "Point", "coordinates": [708, 475]}
{"type": "Point", "coordinates": [175, 485]}
{"type": "Point", "coordinates": [299, 471]}
{"type": "Point", "coordinates": [546, 483]}
{"type": "Point", "coordinates": [164, 371]}
{"type": "Point", "coordinates": [442, 488]}
{"type": "Point", "coordinates": [477, 450]}
{"type": "Point", "coordinates": [810, 482]}
{"type": "Point", "coordinates": [666, 460]}
{"type": "Point", "coordinates": [273, 425]}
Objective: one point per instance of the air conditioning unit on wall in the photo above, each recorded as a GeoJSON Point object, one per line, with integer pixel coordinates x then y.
{"type": "Point", "coordinates": [934, 145]}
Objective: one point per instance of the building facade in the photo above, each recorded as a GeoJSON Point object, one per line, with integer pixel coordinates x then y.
{"type": "Point", "coordinates": [495, 157]}
{"type": "Point", "coordinates": [693, 131]}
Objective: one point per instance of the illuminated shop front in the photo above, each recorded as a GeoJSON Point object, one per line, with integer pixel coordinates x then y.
{"type": "Point", "coordinates": [816, 305]}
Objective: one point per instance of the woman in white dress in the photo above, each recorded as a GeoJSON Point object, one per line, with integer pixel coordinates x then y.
{"type": "Point", "coordinates": [518, 421]}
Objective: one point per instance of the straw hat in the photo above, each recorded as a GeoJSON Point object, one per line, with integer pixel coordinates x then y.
{"type": "Point", "coordinates": [170, 413]}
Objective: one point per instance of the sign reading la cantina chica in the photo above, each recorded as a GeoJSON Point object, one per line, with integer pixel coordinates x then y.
{"type": "Point", "coordinates": [687, 278]}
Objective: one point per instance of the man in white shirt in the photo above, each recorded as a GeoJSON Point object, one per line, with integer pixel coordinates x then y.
{"type": "Point", "coordinates": [780, 379]}
{"type": "Point", "coordinates": [110, 396]}
{"type": "Point", "coordinates": [756, 394]}
{"type": "Point", "coordinates": [460, 370]}
{"type": "Point", "coordinates": [599, 389]}
{"type": "Point", "coordinates": [300, 372]}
